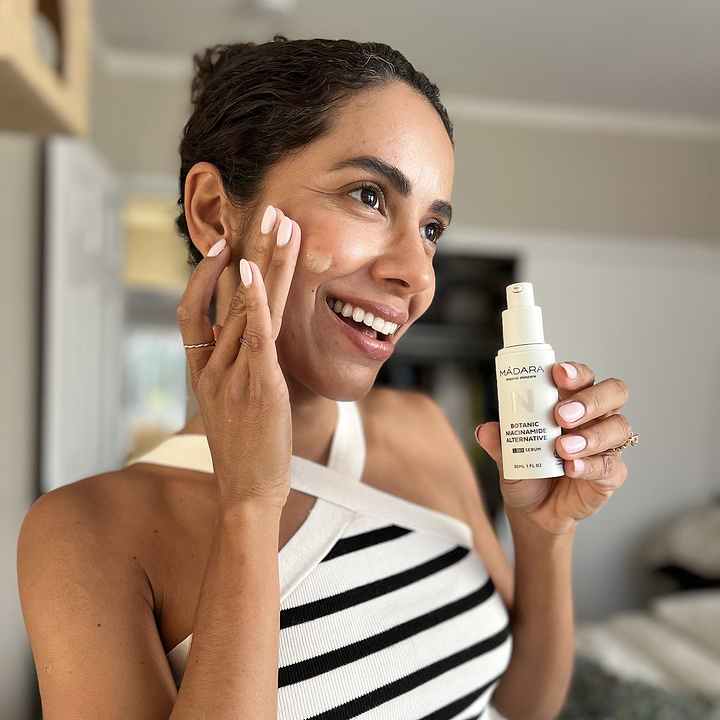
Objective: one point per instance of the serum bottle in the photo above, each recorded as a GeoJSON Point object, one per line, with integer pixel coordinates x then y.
{"type": "Point", "coordinates": [527, 394]}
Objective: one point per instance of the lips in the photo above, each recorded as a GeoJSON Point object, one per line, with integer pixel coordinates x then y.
{"type": "Point", "coordinates": [371, 346]}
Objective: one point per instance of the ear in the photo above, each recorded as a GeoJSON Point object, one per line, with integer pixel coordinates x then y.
{"type": "Point", "coordinates": [207, 212]}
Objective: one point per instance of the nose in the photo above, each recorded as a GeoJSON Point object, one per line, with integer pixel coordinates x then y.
{"type": "Point", "coordinates": [405, 260]}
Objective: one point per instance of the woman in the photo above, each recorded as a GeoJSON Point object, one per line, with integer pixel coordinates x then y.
{"type": "Point", "coordinates": [196, 582]}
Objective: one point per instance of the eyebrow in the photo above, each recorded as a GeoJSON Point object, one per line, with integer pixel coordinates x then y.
{"type": "Point", "coordinates": [395, 176]}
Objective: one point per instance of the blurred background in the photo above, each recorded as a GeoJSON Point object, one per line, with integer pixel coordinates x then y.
{"type": "Point", "coordinates": [587, 141]}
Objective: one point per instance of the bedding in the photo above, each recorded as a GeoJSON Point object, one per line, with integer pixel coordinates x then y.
{"type": "Point", "coordinates": [662, 663]}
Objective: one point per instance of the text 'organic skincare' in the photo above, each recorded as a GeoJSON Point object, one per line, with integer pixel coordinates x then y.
{"type": "Point", "coordinates": [527, 394]}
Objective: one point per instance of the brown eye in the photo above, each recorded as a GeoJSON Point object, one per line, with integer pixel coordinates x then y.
{"type": "Point", "coordinates": [366, 190]}
{"type": "Point", "coordinates": [439, 230]}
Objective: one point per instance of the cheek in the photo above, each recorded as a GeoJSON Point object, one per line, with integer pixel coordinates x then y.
{"type": "Point", "coordinates": [316, 261]}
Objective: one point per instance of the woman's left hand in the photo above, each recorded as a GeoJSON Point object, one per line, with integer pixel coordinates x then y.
{"type": "Point", "coordinates": [555, 505]}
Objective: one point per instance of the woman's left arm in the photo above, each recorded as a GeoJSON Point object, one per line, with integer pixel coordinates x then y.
{"type": "Point", "coordinates": [543, 514]}
{"type": "Point", "coordinates": [538, 676]}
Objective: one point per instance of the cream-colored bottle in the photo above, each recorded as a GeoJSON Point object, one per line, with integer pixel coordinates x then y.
{"type": "Point", "coordinates": [527, 394]}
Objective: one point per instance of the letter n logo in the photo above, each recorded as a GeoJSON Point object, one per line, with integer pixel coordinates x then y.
{"type": "Point", "coordinates": [527, 402]}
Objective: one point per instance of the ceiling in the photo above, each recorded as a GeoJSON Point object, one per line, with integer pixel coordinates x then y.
{"type": "Point", "coordinates": [657, 57]}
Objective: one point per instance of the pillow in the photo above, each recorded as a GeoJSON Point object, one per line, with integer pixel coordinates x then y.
{"type": "Point", "coordinates": [688, 548]}
{"type": "Point", "coordinates": [596, 694]}
{"type": "Point", "coordinates": [696, 613]}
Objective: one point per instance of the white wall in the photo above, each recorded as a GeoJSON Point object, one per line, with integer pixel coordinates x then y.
{"type": "Point", "coordinates": [645, 311]}
{"type": "Point", "coordinates": [20, 287]}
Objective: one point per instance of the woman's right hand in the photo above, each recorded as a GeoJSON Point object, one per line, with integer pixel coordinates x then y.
{"type": "Point", "coordinates": [240, 388]}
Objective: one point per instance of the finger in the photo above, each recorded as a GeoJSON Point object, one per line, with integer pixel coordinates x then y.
{"type": "Point", "coordinates": [566, 383]}
{"type": "Point", "coordinates": [600, 436]}
{"type": "Point", "coordinates": [607, 470]}
{"type": "Point", "coordinates": [601, 399]}
{"type": "Point", "coordinates": [260, 252]}
{"type": "Point", "coordinates": [259, 354]}
{"type": "Point", "coordinates": [192, 312]}
{"type": "Point", "coordinates": [488, 435]}
{"type": "Point", "coordinates": [280, 274]}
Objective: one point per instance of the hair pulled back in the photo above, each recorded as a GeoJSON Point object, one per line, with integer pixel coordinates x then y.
{"type": "Point", "coordinates": [255, 104]}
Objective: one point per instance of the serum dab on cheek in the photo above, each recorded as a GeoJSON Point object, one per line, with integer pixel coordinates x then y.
{"type": "Point", "coordinates": [317, 262]}
{"type": "Point", "coordinates": [527, 394]}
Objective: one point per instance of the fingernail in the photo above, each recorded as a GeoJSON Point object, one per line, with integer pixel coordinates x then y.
{"type": "Point", "coordinates": [572, 411]}
{"type": "Point", "coordinates": [217, 248]}
{"type": "Point", "coordinates": [284, 231]}
{"type": "Point", "coordinates": [570, 370]}
{"type": "Point", "coordinates": [245, 273]}
{"type": "Point", "coordinates": [573, 443]}
{"type": "Point", "coordinates": [578, 464]}
{"type": "Point", "coordinates": [268, 220]}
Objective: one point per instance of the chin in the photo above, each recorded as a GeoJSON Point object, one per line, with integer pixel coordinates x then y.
{"type": "Point", "coordinates": [331, 376]}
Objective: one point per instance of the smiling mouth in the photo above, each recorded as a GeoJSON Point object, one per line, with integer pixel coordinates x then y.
{"type": "Point", "coordinates": [361, 327]}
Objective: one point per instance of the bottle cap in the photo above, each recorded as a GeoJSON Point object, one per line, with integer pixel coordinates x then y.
{"type": "Point", "coordinates": [522, 321]}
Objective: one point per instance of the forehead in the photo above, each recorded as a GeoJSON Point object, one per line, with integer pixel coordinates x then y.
{"type": "Point", "coordinates": [396, 124]}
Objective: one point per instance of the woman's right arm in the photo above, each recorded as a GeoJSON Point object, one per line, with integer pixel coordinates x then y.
{"type": "Point", "coordinates": [89, 611]}
{"type": "Point", "coordinates": [232, 668]}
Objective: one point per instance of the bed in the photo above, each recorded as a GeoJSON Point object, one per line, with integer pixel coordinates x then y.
{"type": "Point", "coordinates": [661, 662]}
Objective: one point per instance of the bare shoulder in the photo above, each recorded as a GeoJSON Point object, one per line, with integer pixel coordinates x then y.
{"type": "Point", "coordinates": [414, 409]}
{"type": "Point", "coordinates": [426, 426]}
{"type": "Point", "coordinates": [93, 519]}
{"type": "Point", "coordinates": [88, 603]}
{"type": "Point", "coordinates": [125, 521]}
{"type": "Point", "coordinates": [78, 509]}
{"type": "Point", "coordinates": [385, 410]}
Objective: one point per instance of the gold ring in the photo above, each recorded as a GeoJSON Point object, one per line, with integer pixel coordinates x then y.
{"type": "Point", "coordinates": [632, 440]}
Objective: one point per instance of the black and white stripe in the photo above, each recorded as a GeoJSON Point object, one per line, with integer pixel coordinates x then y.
{"type": "Point", "coordinates": [386, 610]}
{"type": "Point", "coordinates": [392, 623]}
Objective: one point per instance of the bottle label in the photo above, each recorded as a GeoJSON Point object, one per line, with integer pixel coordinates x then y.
{"type": "Point", "coordinates": [527, 396]}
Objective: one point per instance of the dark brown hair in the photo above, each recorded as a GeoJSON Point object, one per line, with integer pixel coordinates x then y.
{"type": "Point", "coordinates": [255, 104]}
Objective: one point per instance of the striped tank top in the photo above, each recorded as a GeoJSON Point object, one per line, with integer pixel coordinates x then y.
{"type": "Point", "coordinates": [386, 611]}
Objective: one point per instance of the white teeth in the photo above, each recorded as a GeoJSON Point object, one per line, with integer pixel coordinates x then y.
{"type": "Point", "coordinates": [359, 315]}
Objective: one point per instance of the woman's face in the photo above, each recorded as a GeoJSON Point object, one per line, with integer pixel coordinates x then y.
{"type": "Point", "coordinates": [357, 244]}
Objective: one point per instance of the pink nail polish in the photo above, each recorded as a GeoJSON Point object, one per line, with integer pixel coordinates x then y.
{"type": "Point", "coordinates": [245, 272]}
{"type": "Point", "coordinates": [284, 231]}
{"type": "Point", "coordinates": [573, 443]}
{"type": "Point", "coordinates": [570, 370]}
{"type": "Point", "coordinates": [217, 248]}
{"type": "Point", "coordinates": [572, 411]}
{"type": "Point", "coordinates": [268, 220]}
